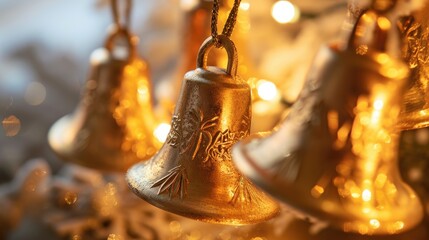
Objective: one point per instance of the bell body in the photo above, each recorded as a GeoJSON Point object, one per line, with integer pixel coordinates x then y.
{"type": "Point", "coordinates": [415, 109]}
{"type": "Point", "coordinates": [334, 156]}
{"type": "Point", "coordinates": [193, 175]}
{"type": "Point", "coordinates": [112, 127]}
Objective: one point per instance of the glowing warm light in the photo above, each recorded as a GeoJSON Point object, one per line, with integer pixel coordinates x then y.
{"type": "Point", "coordinates": [399, 225]}
{"type": "Point", "coordinates": [98, 56]}
{"type": "Point", "coordinates": [366, 195]}
{"type": "Point", "coordinates": [374, 223]}
{"type": "Point", "coordinates": [382, 58]}
{"type": "Point", "coordinates": [188, 4]}
{"type": "Point", "coordinates": [380, 180]}
{"type": "Point", "coordinates": [244, 6]}
{"type": "Point", "coordinates": [285, 12]}
{"type": "Point", "coordinates": [35, 93]}
{"type": "Point", "coordinates": [342, 136]}
{"type": "Point", "coordinates": [378, 104]}
{"type": "Point", "coordinates": [11, 125]}
{"type": "Point", "coordinates": [266, 90]}
{"type": "Point", "coordinates": [143, 90]}
{"type": "Point", "coordinates": [383, 23]}
{"type": "Point", "coordinates": [355, 192]}
{"type": "Point", "coordinates": [161, 132]}
{"type": "Point", "coordinates": [317, 191]}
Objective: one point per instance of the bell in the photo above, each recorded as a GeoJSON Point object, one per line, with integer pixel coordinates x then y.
{"type": "Point", "coordinates": [192, 174]}
{"type": "Point", "coordinates": [334, 157]}
{"type": "Point", "coordinates": [112, 128]}
{"type": "Point", "coordinates": [415, 110]}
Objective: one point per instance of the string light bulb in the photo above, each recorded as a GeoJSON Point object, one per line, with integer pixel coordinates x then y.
{"type": "Point", "coordinates": [285, 12]}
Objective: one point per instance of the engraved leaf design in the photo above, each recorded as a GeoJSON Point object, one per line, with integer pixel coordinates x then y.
{"type": "Point", "coordinates": [190, 129]}
{"type": "Point", "coordinates": [173, 137]}
{"type": "Point", "coordinates": [175, 182]}
{"type": "Point", "coordinates": [243, 193]}
{"type": "Point", "coordinates": [203, 132]}
{"type": "Point", "coordinates": [195, 130]}
{"type": "Point", "coordinates": [220, 147]}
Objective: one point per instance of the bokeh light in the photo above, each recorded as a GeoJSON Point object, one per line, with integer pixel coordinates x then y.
{"type": "Point", "coordinates": [11, 125]}
{"type": "Point", "coordinates": [161, 132]}
{"type": "Point", "coordinates": [267, 90]}
{"type": "Point", "coordinates": [188, 4]}
{"type": "Point", "coordinates": [244, 5]}
{"type": "Point", "coordinates": [35, 93]}
{"type": "Point", "coordinates": [285, 12]}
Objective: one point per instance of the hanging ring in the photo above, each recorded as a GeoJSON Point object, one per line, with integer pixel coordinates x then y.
{"type": "Point", "coordinates": [382, 26]}
{"type": "Point", "coordinates": [229, 46]}
{"type": "Point", "coordinates": [129, 39]}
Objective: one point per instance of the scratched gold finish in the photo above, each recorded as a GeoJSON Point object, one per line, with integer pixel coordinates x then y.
{"type": "Point", "coordinates": [334, 157]}
{"type": "Point", "coordinates": [193, 175]}
{"type": "Point", "coordinates": [415, 109]}
{"type": "Point", "coordinates": [112, 128]}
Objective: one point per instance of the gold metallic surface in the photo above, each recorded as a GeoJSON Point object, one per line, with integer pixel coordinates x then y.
{"type": "Point", "coordinates": [193, 175]}
{"type": "Point", "coordinates": [335, 156]}
{"type": "Point", "coordinates": [415, 109]}
{"type": "Point", "coordinates": [112, 128]}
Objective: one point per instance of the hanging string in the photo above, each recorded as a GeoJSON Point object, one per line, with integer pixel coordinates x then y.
{"type": "Point", "coordinates": [117, 16]}
{"type": "Point", "coordinates": [230, 22]}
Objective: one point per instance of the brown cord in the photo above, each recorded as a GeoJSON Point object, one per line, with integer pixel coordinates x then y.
{"type": "Point", "coordinates": [117, 15]}
{"type": "Point", "coordinates": [230, 22]}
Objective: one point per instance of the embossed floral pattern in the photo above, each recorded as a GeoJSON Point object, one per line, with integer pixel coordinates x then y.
{"type": "Point", "coordinates": [194, 136]}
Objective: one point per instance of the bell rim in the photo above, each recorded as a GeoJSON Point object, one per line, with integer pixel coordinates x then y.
{"type": "Point", "coordinates": [201, 214]}
{"type": "Point", "coordinates": [66, 152]}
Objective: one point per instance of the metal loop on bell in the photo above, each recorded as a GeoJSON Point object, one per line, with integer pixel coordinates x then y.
{"type": "Point", "coordinates": [382, 27]}
{"type": "Point", "coordinates": [229, 46]}
{"type": "Point", "coordinates": [129, 39]}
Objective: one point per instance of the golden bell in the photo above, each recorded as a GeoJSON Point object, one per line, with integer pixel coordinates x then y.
{"type": "Point", "coordinates": [112, 128]}
{"type": "Point", "coordinates": [193, 175]}
{"type": "Point", "coordinates": [415, 109]}
{"type": "Point", "coordinates": [334, 157]}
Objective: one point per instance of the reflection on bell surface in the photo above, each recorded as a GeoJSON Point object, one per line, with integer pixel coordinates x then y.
{"type": "Point", "coordinates": [193, 175]}
{"type": "Point", "coordinates": [415, 109]}
{"type": "Point", "coordinates": [335, 156]}
{"type": "Point", "coordinates": [112, 128]}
